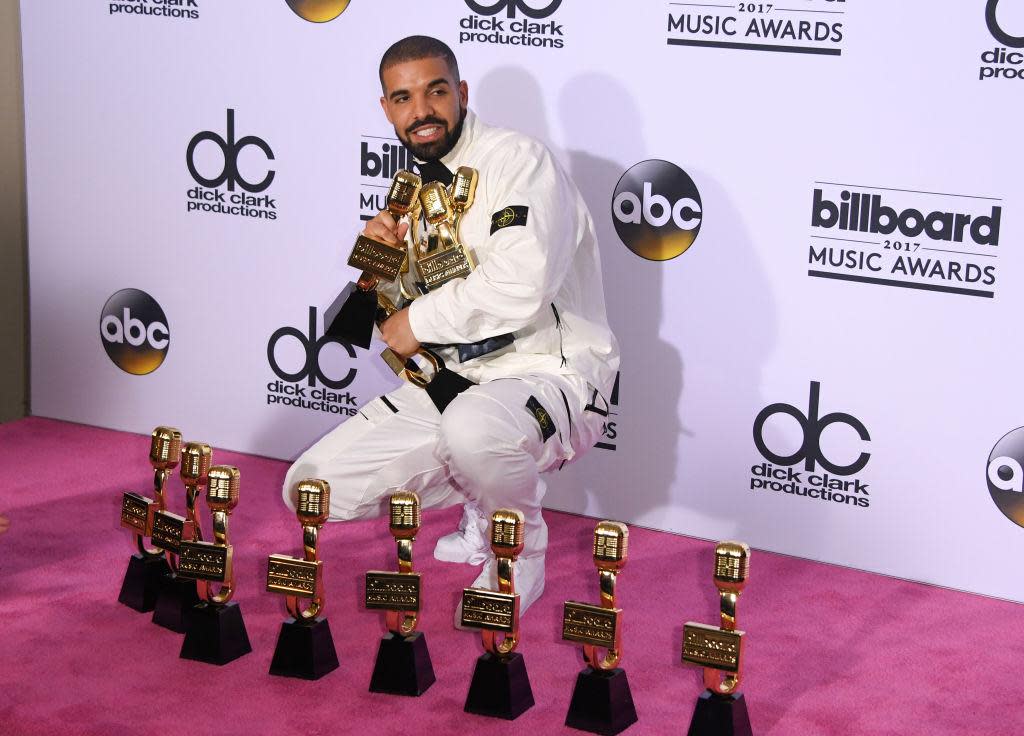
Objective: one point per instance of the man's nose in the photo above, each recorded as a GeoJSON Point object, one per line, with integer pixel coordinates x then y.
{"type": "Point", "coordinates": [422, 107]}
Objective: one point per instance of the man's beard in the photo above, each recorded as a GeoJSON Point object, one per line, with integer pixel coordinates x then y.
{"type": "Point", "coordinates": [434, 150]}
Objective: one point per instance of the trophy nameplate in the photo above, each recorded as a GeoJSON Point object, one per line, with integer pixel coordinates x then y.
{"type": "Point", "coordinates": [169, 530]}
{"type": "Point", "coordinates": [439, 268]}
{"type": "Point", "coordinates": [710, 646]}
{"type": "Point", "coordinates": [292, 576]}
{"type": "Point", "coordinates": [137, 513]}
{"type": "Point", "coordinates": [490, 610]}
{"type": "Point", "coordinates": [393, 591]}
{"type": "Point", "coordinates": [382, 260]}
{"type": "Point", "coordinates": [594, 625]}
{"type": "Point", "coordinates": [205, 561]}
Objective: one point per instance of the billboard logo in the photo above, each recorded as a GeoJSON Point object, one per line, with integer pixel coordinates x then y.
{"type": "Point", "coordinates": [835, 484]}
{"type": "Point", "coordinates": [657, 210]}
{"type": "Point", "coordinates": [134, 331]}
{"type": "Point", "coordinates": [318, 11]}
{"type": "Point", "coordinates": [1006, 476]}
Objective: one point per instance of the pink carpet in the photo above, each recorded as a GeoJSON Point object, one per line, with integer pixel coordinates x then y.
{"type": "Point", "coordinates": [830, 650]}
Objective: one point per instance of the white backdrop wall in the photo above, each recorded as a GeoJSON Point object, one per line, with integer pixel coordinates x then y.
{"type": "Point", "coordinates": [764, 114]}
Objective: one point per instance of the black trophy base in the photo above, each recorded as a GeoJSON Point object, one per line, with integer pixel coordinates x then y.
{"type": "Point", "coordinates": [215, 634]}
{"type": "Point", "coordinates": [304, 650]}
{"type": "Point", "coordinates": [500, 687]}
{"type": "Point", "coordinates": [142, 582]}
{"type": "Point", "coordinates": [351, 316]}
{"type": "Point", "coordinates": [601, 702]}
{"type": "Point", "coordinates": [403, 665]}
{"type": "Point", "coordinates": [177, 598]}
{"type": "Point", "coordinates": [720, 715]}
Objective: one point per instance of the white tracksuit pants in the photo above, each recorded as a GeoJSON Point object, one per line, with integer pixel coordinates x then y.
{"type": "Point", "coordinates": [488, 447]}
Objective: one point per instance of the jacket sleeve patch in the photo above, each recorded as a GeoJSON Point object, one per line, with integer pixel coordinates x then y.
{"type": "Point", "coordinates": [547, 424]}
{"type": "Point", "coordinates": [509, 217]}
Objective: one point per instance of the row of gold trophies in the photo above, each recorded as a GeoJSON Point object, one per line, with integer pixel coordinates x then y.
{"type": "Point", "coordinates": [174, 579]}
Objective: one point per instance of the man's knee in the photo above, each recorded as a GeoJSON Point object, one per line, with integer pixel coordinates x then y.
{"type": "Point", "coordinates": [478, 438]}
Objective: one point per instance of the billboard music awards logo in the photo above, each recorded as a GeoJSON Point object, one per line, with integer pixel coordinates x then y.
{"type": "Point", "coordinates": [1005, 21]}
{"type": "Point", "coordinates": [187, 9]}
{"type": "Point", "coordinates": [905, 238]}
{"type": "Point", "coordinates": [307, 370]}
{"type": "Point", "coordinates": [1006, 476]}
{"type": "Point", "coordinates": [513, 23]}
{"type": "Point", "coordinates": [657, 210]}
{"type": "Point", "coordinates": [231, 174]}
{"type": "Point", "coordinates": [134, 331]}
{"type": "Point", "coordinates": [816, 27]}
{"type": "Point", "coordinates": [380, 158]}
{"type": "Point", "coordinates": [823, 475]}
{"type": "Point", "coordinates": [318, 11]}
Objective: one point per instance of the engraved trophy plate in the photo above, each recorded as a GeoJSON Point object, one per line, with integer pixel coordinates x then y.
{"type": "Point", "coordinates": [440, 268]}
{"type": "Point", "coordinates": [291, 576]}
{"type": "Point", "coordinates": [169, 529]}
{"type": "Point", "coordinates": [204, 561]}
{"type": "Point", "coordinates": [135, 512]}
{"type": "Point", "coordinates": [587, 624]}
{"type": "Point", "coordinates": [486, 609]}
{"type": "Point", "coordinates": [393, 591]}
{"type": "Point", "coordinates": [709, 646]}
{"type": "Point", "coordinates": [382, 260]}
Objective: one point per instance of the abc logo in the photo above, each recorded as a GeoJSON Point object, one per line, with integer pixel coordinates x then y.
{"type": "Point", "coordinates": [511, 6]}
{"type": "Point", "coordinates": [812, 426]}
{"type": "Point", "coordinates": [657, 210]}
{"type": "Point", "coordinates": [997, 31]}
{"type": "Point", "coordinates": [134, 331]}
{"type": "Point", "coordinates": [311, 347]}
{"type": "Point", "coordinates": [1006, 477]}
{"type": "Point", "coordinates": [230, 149]}
{"type": "Point", "coordinates": [318, 11]}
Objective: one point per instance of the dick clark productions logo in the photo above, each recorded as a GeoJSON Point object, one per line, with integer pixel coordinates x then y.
{"type": "Point", "coordinates": [657, 210]}
{"type": "Point", "coordinates": [1006, 476]}
{"type": "Point", "coordinates": [134, 331]}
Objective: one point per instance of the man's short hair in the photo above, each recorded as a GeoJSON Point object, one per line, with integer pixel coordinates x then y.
{"type": "Point", "coordinates": [414, 48]}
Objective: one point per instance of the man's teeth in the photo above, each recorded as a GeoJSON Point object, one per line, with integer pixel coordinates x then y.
{"type": "Point", "coordinates": [426, 132]}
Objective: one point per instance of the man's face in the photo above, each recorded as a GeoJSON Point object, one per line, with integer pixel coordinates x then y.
{"type": "Point", "coordinates": [426, 106]}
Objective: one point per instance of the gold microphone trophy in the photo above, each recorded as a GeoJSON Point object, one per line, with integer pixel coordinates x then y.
{"type": "Point", "coordinates": [403, 664]}
{"type": "Point", "coordinates": [214, 629]}
{"type": "Point", "coordinates": [305, 647]}
{"type": "Point", "coordinates": [601, 701]}
{"type": "Point", "coordinates": [178, 595]}
{"type": "Point", "coordinates": [147, 567]}
{"type": "Point", "coordinates": [354, 312]}
{"type": "Point", "coordinates": [500, 686]}
{"type": "Point", "coordinates": [721, 709]}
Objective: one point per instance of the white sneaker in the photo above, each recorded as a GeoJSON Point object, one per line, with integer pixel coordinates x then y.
{"type": "Point", "coordinates": [528, 576]}
{"type": "Point", "coordinates": [469, 543]}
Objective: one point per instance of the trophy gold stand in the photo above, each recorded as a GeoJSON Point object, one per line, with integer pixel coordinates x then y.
{"type": "Point", "coordinates": [214, 629]}
{"type": "Point", "coordinates": [177, 594]}
{"type": "Point", "coordinates": [403, 665]}
{"type": "Point", "coordinates": [500, 686]}
{"type": "Point", "coordinates": [305, 647]}
{"type": "Point", "coordinates": [721, 709]}
{"type": "Point", "coordinates": [147, 567]}
{"type": "Point", "coordinates": [601, 701]}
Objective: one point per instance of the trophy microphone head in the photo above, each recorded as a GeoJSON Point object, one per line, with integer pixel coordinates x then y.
{"type": "Point", "coordinates": [464, 188]}
{"type": "Point", "coordinates": [611, 545]}
{"type": "Point", "coordinates": [405, 188]}
{"type": "Point", "coordinates": [405, 515]}
{"type": "Point", "coordinates": [732, 565]}
{"type": "Point", "coordinates": [222, 492]}
{"type": "Point", "coordinates": [195, 463]}
{"type": "Point", "coordinates": [437, 205]}
{"type": "Point", "coordinates": [164, 448]}
{"type": "Point", "coordinates": [507, 527]}
{"type": "Point", "coordinates": [314, 501]}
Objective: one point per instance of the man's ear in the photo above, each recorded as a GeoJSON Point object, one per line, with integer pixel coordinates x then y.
{"type": "Point", "coordinates": [384, 107]}
{"type": "Point", "coordinates": [464, 93]}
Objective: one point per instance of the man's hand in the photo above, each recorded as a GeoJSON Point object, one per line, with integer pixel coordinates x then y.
{"type": "Point", "coordinates": [384, 228]}
{"type": "Point", "coordinates": [395, 331]}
